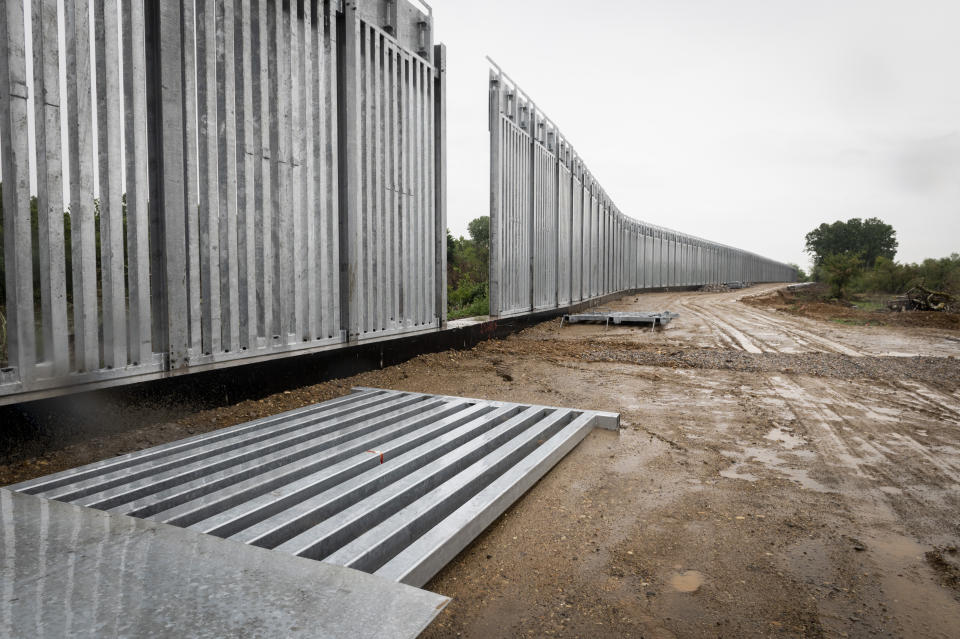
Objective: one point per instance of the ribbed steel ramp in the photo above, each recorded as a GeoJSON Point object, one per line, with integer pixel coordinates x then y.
{"type": "Point", "coordinates": [387, 482]}
{"type": "Point", "coordinates": [661, 318]}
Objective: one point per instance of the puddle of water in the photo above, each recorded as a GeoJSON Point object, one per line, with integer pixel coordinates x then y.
{"type": "Point", "coordinates": [803, 478]}
{"type": "Point", "coordinates": [770, 460]}
{"type": "Point", "coordinates": [786, 439]}
{"type": "Point", "coordinates": [687, 581]}
{"type": "Point", "coordinates": [731, 473]}
{"type": "Point", "coordinates": [911, 590]}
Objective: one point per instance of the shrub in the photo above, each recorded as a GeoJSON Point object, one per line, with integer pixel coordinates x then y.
{"type": "Point", "coordinates": [840, 270]}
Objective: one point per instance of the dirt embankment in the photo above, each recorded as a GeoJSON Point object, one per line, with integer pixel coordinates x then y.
{"type": "Point", "coordinates": [813, 302]}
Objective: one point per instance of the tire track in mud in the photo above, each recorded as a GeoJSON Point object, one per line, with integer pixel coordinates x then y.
{"type": "Point", "coordinates": [732, 334]}
{"type": "Point", "coordinates": [932, 397]}
{"type": "Point", "coordinates": [841, 399]}
{"type": "Point", "coordinates": [871, 438]}
{"type": "Point", "coordinates": [917, 601]}
{"type": "Point", "coordinates": [902, 397]}
{"type": "Point", "coordinates": [817, 418]}
{"type": "Point", "coordinates": [799, 335]}
{"type": "Point", "coordinates": [723, 340]}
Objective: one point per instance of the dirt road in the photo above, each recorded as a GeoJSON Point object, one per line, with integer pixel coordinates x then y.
{"type": "Point", "coordinates": [816, 497]}
{"type": "Point", "coordinates": [774, 476]}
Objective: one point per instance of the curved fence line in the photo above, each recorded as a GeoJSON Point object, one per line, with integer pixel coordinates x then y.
{"type": "Point", "coordinates": [557, 238]}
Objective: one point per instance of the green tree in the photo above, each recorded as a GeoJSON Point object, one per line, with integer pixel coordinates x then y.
{"type": "Point", "coordinates": [871, 238]}
{"type": "Point", "coordinates": [801, 274]}
{"type": "Point", "coordinates": [840, 269]}
{"type": "Point", "coordinates": [479, 230]}
{"type": "Point", "coordinates": [468, 262]}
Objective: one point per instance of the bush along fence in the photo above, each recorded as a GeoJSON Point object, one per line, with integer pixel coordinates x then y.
{"type": "Point", "coordinates": [242, 179]}
{"type": "Point", "coordinates": [557, 238]}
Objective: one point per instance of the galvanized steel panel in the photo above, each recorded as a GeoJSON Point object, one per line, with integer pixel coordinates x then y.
{"type": "Point", "coordinates": [80, 572]}
{"type": "Point", "coordinates": [388, 482]}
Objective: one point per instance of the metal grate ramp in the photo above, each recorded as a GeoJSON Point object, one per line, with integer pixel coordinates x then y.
{"type": "Point", "coordinates": [387, 482]}
{"type": "Point", "coordinates": [620, 317]}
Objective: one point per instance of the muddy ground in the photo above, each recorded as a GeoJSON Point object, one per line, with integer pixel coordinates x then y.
{"type": "Point", "coordinates": [775, 475]}
{"type": "Point", "coordinates": [865, 310]}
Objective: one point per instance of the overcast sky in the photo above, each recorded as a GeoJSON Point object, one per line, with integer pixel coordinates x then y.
{"type": "Point", "coordinates": [748, 122]}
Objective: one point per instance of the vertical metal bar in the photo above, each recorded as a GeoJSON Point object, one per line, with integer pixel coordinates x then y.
{"type": "Point", "coordinates": [18, 262]}
{"type": "Point", "coordinates": [336, 172]}
{"type": "Point", "coordinates": [402, 200]}
{"type": "Point", "coordinates": [512, 192]}
{"type": "Point", "coordinates": [261, 172]}
{"type": "Point", "coordinates": [351, 200]}
{"type": "Point", "coordinates": [437, 221]}
{"type": "Point", "coordinates": [384, 248]}
{"type": "Point", "coordinates": [280, 119]}
{"type": "Point", "coordinates": [418, 209]}
{"type": "Point", "coordinates": [49, 167]}
{"type": "Point", "coordinates": [409, 283]}
{"type": "Point", "coordinates": [420, 212]}
{"type": "Point", "coordinates": [172, 176]}
{"type": "Point", "coordinates": [515, 254]}
{"type": "Point", "coordinates": [208, 175]}
{"type": "Point", "coordinates": [110, 133]}
{"type": "Point", "coordinates": [386, 182]}
{"type": "Point", "coordinates": [327, 163]}
{"type": "Point", "coordinates": [413, 313]}
{"type": "Point", "coordinates": [530, 167]}
{"type": "Point", "coordinates": [557, 248]}
{"type": "Point", "coordinates": [390, 179]}
{"type": "Point", "coordinates": [80, 141]}
{"type": "Point", "coordinates": [269, 199]}
{"type": "Point", "coordinates": [247, 154]}
{"type": "Point", "coordinates": [430, 197]}
{"type": "Point", "coordinates": [366, 213]}
{"type": "Point", "coordinates": [374, 179]}
{"type": "Point", "coordinates": [188, 21]}
{"type": "Point", "coordinates": [312, 206]}
{"type": "Point", "coordinates": [298, 183]}
{"type": "Point", "coordinates": [227, 151]}
{"type": "Point", "coordinates": [426, 195]}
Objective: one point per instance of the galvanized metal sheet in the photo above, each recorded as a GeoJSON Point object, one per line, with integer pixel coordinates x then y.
{"type": "Point", "coordinates": [69, 571]}
{"type": "Point", "coordinates": [388, 482]}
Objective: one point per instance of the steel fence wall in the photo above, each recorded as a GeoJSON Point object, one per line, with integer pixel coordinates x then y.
{"type": "Point", "coordinates": [243, 179]}
{"type": "Point", "coordinates": [557, 238]}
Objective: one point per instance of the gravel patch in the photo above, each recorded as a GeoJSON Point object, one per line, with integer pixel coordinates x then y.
{"type": "Point", "coordinates": [941, 371]}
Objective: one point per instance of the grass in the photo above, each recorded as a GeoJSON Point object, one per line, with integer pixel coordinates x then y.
{"type": "Point", "coordinates": [478, 306]}
{"type": "Point", "coordinates": [849, 321]}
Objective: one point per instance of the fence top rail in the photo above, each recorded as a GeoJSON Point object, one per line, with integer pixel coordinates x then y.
{"type": "Point", "coordinates": [567, 154]}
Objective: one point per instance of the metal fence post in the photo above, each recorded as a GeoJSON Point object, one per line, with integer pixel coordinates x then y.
{"type": "Point", "coordinates": [350, 157]}
{"type": "Point", "coordinates": [440, 188]}
{"type": "Point", "coordinates": [17, 247]}
{"type": "Point", "coordinates": [495, 186]}
{"type": "Point", "coordinates": [556, 220]}
{"type": "Point", "coordinates": [531, 170]}
{"type": "Point", "coordinates": [164, 72]}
